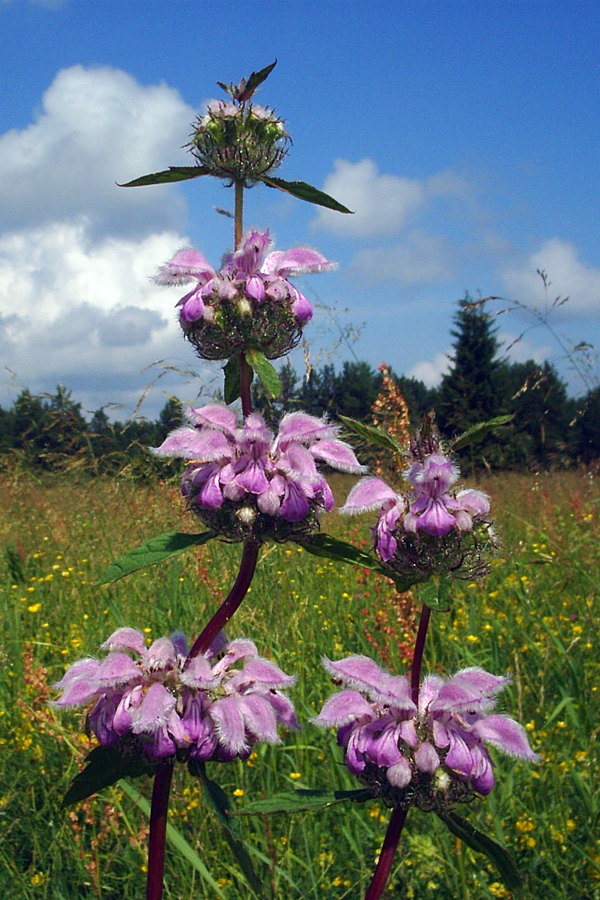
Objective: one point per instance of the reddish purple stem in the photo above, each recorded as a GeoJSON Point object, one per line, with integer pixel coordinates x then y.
{"type": "Point", "coordinates": [388, 851]}
{"type": "Point", "coordinates": [415, 674]}
{"type": "Point", "coordinates": [158, 830]}
{"type": "Point", "coordinates": [231, 603]}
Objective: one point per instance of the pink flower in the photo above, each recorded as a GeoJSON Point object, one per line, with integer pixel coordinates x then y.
{"type": "Point", "coordinates": [249, 469]}
{"type": "Point", "coordinates": [426, 755]}
{"type": "Point", "coordinates": [213, 706]}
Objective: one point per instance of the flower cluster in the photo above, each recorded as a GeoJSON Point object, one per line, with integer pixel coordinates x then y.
{"type": "Point", "coordinates": [245, 482]}
{"type": "Point", "coordinates": [249, 302]}
{"type": "Point", "coordinates": [157, 701]}
{"type": "Point", "coordinates": [239, 142]}
{"type": "Point", "coordinates": [430, 530]}
{"type": "Point", "coordinates": [430, 754]}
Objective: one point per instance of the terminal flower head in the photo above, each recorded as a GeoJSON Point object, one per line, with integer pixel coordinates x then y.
{"type": "Point", "coordinates": [431, 754]}
{"type": "Point", "coordinates": [249, 302]}
{"type": "Point", "coordinates": [214, 706]}
{"type": "Point", "coordinates": [247, 482]}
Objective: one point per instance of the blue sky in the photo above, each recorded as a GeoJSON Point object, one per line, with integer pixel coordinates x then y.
{"type": "Point", "coordinates": [464, 134]}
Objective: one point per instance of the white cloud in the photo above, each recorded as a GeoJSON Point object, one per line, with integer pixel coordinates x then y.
{"type": "Point", "coordinates": [430, 372]}
{"type": "Point", "coordinates": [421, 259]}
{"type": "Point", "coordinates": [382, 203]}
{"type": "Point", "coordinates": [83, 311]}
{"type": "Point", "coordinates": [568, 277]}
{"type": "Point", "coordinates": [96, 127]}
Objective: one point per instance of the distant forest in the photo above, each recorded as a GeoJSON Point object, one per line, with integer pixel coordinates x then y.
{"type": "Point", "coordinates": [549, 429]}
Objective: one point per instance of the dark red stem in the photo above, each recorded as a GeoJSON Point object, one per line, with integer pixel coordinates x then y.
{"type": "Point", "coordinates": [158, 830]}
{"type": "Point", "coordinates": [415, 674]}
{"type": "Point", "coordinates": [388, 851]}
{"type": "Point", "coordinates": [232, 601]}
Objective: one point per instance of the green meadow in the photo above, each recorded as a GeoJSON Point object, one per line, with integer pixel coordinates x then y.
{"type": "Point", "coordinates": [536, 617]}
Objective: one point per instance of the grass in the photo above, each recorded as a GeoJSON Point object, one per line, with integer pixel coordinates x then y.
{"type": "Point", "coordinates": [536, 617]}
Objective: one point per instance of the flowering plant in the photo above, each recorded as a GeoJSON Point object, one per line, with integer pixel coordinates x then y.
{"type": "Point", "coordinates": [411, 742]}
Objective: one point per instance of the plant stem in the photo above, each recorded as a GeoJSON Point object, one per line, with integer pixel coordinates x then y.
{"type": "Point", "coordinates": [158, 830]}
{"type": "Point", "coordinates": [232, 601]}
{"type": "Point", "coordinates": [245, 384]}
{"type": "Point", "coordinates": [388, 851]}
{"type": "Point", "coordinates": [415, 674]}
{"type": "Point", "coordinates": [239, 213]}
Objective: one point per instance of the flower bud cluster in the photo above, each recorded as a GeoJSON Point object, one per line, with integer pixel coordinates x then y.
{"type": "Point", "coordinates": [239, 142]}
{"type": "Point", "coordinates": [248, 483]}
{"type": "Point", "coordinates": [157, 702]}
{"type": "Point", "coordinates": [249, 302]}
{"type": "Point", "coordinates": [429, 754]}
{"type": "Point", "coordinates": [430, 529]}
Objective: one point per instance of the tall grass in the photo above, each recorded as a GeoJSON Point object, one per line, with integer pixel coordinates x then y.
{"type": "Point", "coordinates": [535, 617]}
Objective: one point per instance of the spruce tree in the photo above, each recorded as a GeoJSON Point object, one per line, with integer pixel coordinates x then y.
{"type": "Point", "coordinates": [469, 391]}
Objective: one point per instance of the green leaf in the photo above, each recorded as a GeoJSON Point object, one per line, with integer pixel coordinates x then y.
{"type": "Point", "coordinates": [480, 842]}
{"type": "Point", "coordinates": [437, 593]}
{"type": "Point", "coordinates": [105, 766]}
{"type": "Point", "coordinates": [373, 434]}
{"type": "Point", "coordinates": [153, 551]}
{"type": "Point", "coordinates": [478, 431]}
{"type": "Point", "coordinates": [331, 548]}
{"type": "Point", "coordinates": [265, 371]}
{"type": "Point", "coordinates": [221, 804]}
{"type": "Point", "coordinates": [168, 176]}
{"type": "Point", "coordinates": [304, 191]}
{"type": "Point", "coordinates": [302, 801]}
{"type": "Point", "coordinates": [231, 371]}
{"type": "Point", "coordinates": [176, 839]}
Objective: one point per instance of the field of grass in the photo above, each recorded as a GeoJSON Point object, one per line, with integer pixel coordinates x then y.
{"type": "Point", "coordinates": [535, 617]}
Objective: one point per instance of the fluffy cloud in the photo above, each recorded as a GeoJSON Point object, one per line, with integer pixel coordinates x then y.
{"type": "Point", "coordinates": [568, 277]}
{"type": "Point", "coordinates": [420, 259]}
{"type": "Point", "coordinates": [431, 371]}
{"type": "Point", "coordinates": [96, 127]}
{"type": "Point", "coordinates": [382, 203]}
{"type": "Point", "coordinates": [83, 311]}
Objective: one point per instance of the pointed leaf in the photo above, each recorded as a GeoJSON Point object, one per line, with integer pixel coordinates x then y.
{"type": "Point", "coordinates": [254, 81]}
{"type": "Point", "coordinates": [437, 593]}
{"type": "Point", "coordinates": [221, 805]}
{"type": "Point", "coordinates": [480, 842]}
{"type": "Point", "coordinates": [231, 372]}
{"type": "Point", "coordinates": [265, 371]}
{"type": "Point", "coordinates": [105, 766]}
{"type": "Point", "coordinates": [373, 434]}
{"type": "Point", "coordinates": [153, 551]}
{"type": "Point", "coordinates": [331, 548]}
{"type": "Point", "coordinates": [302, 801]}
{"type": "Point", "coordinates": [176, 839]}
{"type": "Point", "coordinates": [478, 431]}
{"type": "Point", "coordinates": [168, 176]}
{"type": "Point", "coordinates": [304, 191]}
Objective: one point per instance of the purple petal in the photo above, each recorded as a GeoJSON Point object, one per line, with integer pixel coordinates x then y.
{"type": "Point", "coordinates": [384, 750]}
{"type": "Point", "coordinates": [210, 495]}
{"type": "Point", "coordinates": [338, 455]}
{"type": "Point", "coordinates": [296, 261]}
{"type": "Point", "coordinates": [505, 734]}
{"type": "Point", "coordinates": [215, 416]}
{"type": "Point", "coordinates": [190, 443]}
{"type": "Point", "coordinates": [198, 674]}
{"type": "Point", "coordinates": [294, 506]}
{"type": "Point", "coordinates": [369, 493]}
{"type": "Point", "coordinates": [474, 502]}
{"type": "Point", "coordinates": [342, 708]}
{"type": "Point", "coordinates": [284, 709]}
{"type": "Point", "coordinates": [192, 308]}
{"type": "Point", "coordinates": [301, 427]}
{"type": "Point", "coordinates": [266, 673]}
{"type": "Point", "coordinates": [154, 710]}
{"type": "Point", "coordinates": [459, 756]}
{"type": "Point", "coordinates": [426, 758]}
{"type": "Point", "coordinates": [185, 266]}
{"type": "Point", "coordinates": [229, 725]}
{"type": "Point", "coordinates": [400, 774]}
{"type": "Point", "coordinates": [359, 672]}
{"type": "Point", "coordinates": [259, 718]}
{"type": "Point", "coordinates": [126, 639]}
{"type": "Point", "coordinates": [479, 681]}
{"type": "Point", "coordinates": [255, 288]}
{"type": "Point", "coordinates": [253, 478]}
{"type": "Point", "coordinates": [241, 648]}
{"type": "Point", "coordinates": [116, 670]}
{"type": "Point", "coordinates": [160, 656]}
{"type": "Point", "coordinates": [436, 520]}
{"type": "Point", "coordinates": [247, 260]}
{"type": "Point", "coordinates": [300, 306]}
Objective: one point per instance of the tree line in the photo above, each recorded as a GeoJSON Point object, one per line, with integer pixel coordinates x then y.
{"type": "Point", "coordinates": [548, 428]}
